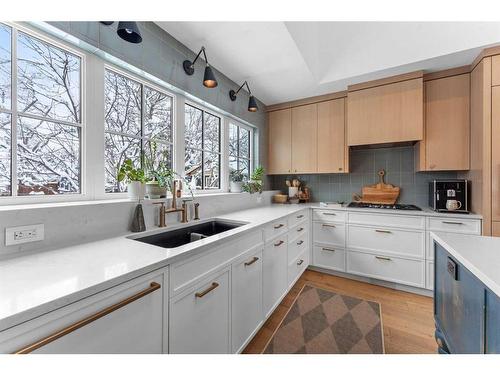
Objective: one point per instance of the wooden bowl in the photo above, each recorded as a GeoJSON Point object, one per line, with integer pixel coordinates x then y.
{"type": "Point", "coordinates": [280, 198]}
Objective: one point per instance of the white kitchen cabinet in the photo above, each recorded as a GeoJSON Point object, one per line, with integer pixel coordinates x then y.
{"type": "Point", "coordinates": [199, 317]}
{"type": "Point", "coordinates": [128, 318]}
{"type": "Point", "coordinates": [275, 273]}
{"type": "Point", "coordinates": [247, 312]}
{"type": "Point", "coordinates": [429, 277]}
{"type": "Point", "coordinates": [332, 234]}
{"type": "Point", "coordinates": [329, 257]}
{"type": "Point", "coordinates": [297, 267]}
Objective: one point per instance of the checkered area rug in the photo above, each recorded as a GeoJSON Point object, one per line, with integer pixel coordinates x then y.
{"type": "Point", "coordinates": [323, 322]}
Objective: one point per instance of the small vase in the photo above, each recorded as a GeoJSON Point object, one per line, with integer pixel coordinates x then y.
{"type": "Point", "coordinates": [135, 190]}
{"type": "Point", "coordinates": [235, 187]}
{"type": "Point", "coordinates": [155, 191]}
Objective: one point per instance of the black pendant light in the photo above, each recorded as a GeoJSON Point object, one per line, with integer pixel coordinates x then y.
{"type": "Point", "coordinates": [129, 31]}
{"type": "Point", "coordinates": [252, 103]}
{"type": "Point", "coordinates": [209, 79]}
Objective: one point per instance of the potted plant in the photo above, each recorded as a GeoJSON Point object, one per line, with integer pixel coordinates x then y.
{"type": "Point", "coordinates": [159, 174]}
{"type": "Point", "coordinates": [255, 185]}
{"type": "Point", "coordinates": [133, 177]}
{"type": "Point", "coordinates": [235, 181]}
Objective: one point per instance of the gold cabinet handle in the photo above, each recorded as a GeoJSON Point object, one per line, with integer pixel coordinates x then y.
{"type": "Point", "coordinates": [382, 231]}
{"type": "Point", "coordinates": [279, 243]}
{"type": "Point", "coordinates": [329, 225]}
{"type": "Point", "coordinates": [81, 323]}
{"type": "Point", "coordinates": [300, 229]}
{"type": "Point", "coordinates": [300, 216]}
{"type": "Point", "coordinates": [206, 291]}
{"type": "Point", "coordinates": [452, 222]}
{"type": "Point", "coordinates": [250, 262]}
{"type": "Point", "coordinates": [300, 242]}
{"type": "Point", "coordinates": [278, 226]}
{"type": "Point", "coordinates": [328, 249]}
{"type": "Point", "coordinates": [329, 214]}
{"type": "Point", "coordinates": [300, 262]}
{"type": "Point", "coordinates": [382, 258]}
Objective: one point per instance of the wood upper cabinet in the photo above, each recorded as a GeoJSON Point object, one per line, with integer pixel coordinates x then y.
{"type": "Point", "coordinates": [495, 70]}
{"type": "Point", "coordinates": [495, 154]}
{"type": "Point", "coordinates": [304, 139]}
{"type": "Point", "coordinates": [280, 141]}
{"type": "Point", "coordinates": [386, 113]}
{"type": "Point", "coordinates": [332, 154]}
{"type": "Point", "coordinates": [447, 124]}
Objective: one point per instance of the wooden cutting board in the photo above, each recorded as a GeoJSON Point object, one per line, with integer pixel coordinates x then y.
{"type": "Point", "coordinates": [381, 192]}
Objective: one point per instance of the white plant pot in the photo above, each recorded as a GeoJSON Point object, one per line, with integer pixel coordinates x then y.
{"type": "Point", "coordinates": [235, 187]}
{"type": "Point", "coordinates": [135, 190]}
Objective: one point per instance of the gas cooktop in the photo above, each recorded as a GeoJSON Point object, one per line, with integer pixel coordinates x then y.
{"type": "Point", "coordinates": [397, 206]}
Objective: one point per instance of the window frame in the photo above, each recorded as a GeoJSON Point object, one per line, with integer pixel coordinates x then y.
{"type": "Point", "coordinates": [143, 82]}
{"type": "Point", "coordinates": [222, 145]}
{"type": "Point", "coordinates": [14, 198]}
{"type": "Point", "coordinates": [251, 137]}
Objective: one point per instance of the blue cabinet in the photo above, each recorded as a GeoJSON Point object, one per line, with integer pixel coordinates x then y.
{"type": "Point", "coordinates": [492, 324]}
{"type": "Point", "coordinates": [458, 305]}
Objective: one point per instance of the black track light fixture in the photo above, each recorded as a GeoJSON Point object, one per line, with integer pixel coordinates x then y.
{"type": "Point", "coordinates": [209, 79]}
{"type": "Point", "coordinates": [252, 103]}
{"type": "Point", "coordinates": [129, 31]}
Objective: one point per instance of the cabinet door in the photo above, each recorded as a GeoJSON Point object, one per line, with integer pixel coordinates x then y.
{"type": "Point", "coordinates": [458, 304]}
{"type": "Point", "coordinates": [495, 229]}
{"type": "Point", "coordinates": [492, 323]}
{"type": "Point", "coordinates": [275, 274]}
{"type": "Point", "coordinates": [447, 123]}
{"type": "Point", "coordinates": [247, 312]}
{"type": "Point", "coordinates": [126, 319]}
{"type": "Point", "coordinates": [280, 141]}
{"type": "Point", "coordinates": [388, 113]}
{"type": "Point", "coordinates": [304, 138]}
{"type": "Point", "coordinates": [495, 153]}
{"type": "Point", "coordinates": [332, 150]}
{"type": "Point", "coordinates": [199, 318]}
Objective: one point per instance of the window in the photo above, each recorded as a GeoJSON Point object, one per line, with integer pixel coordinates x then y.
{"type": "Point", "coordinates": [135, 114]}
{"type": "Point", "coordinates": [202, 152]}
{"type": "Point", "coordinates": [239, 150]}
{"type": "Point", "coordinates": [40, 117]}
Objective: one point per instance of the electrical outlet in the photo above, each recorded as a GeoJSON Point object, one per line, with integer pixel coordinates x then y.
{"type": "Point", "coordinates": [27, 233]}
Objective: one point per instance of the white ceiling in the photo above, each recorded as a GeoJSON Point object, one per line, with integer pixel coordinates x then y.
{"type": "Point", "coordinates": [285, 61]}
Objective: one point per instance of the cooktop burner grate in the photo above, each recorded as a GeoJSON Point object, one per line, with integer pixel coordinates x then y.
{"type": "Point", "coordinates": [397, 206]}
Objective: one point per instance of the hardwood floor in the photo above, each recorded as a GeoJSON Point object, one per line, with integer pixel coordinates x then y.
{"type": "Point", "coordinates": [407, 318]}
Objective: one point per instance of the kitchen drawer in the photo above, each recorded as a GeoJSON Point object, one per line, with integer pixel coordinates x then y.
{"type": "Point", "coordinates": [299, 230]}
{"type": "Point", "coordinates": [329, 215]}
{"type": "Point", "coordinates": [385, 240]}
{"type": "Point", "coordinates": [454, 224]}
{"type": "Point", "coordinates": [399, 270]}
{"type": "Point", "coordinates": [395, 221]}
{"type": "Point", "coordinates": [329, 233]}
{"type": "Point", "coordinates": [275, 228]}
{"type": "Point", "coordinates": [128, 319]}
{"type": "Point", "coordinates": [186, 272]}
{"type": "Point", "coordinates": [297, 266]}
{"type": "Point", "coordinates": [275, 267]}
{"type": "Point", "coordinates": [329, 257]}
{"type": "Point", "coordinates": [429, 275]}
{"type": "Point", "coordinates": [297, 246]}
{"type": "Point", "coordinates": [299, 217]}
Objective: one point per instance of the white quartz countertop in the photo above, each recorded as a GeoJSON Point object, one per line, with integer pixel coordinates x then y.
{"type": "Point", "coordinates": [479, 254]}
{"type": "Point", "coordinates": [35, 284]}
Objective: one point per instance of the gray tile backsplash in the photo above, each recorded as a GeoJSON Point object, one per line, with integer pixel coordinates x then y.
{"type": "Point", "coordinates": [398, 163]}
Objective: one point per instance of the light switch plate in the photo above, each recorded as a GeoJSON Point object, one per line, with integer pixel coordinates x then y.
{"type": "Point", "coordinates": [26, 233]}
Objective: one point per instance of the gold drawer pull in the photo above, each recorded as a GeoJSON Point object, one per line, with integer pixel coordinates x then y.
{"type": "Point", "coordinates": [382, 258]}
{"type": "Point", "coordinates": [300, 242]}
{"type": "Point", "coordinates": [300, 229]}
{"type": "Point", "coordinates": [329, 214]}
{"type": "Point", "coordinates": [383, 231]}
{"type": "Point", "coordinates": [81, 323]}
{"type": "Point", "coordinates": [206, 291]}
{"type": "Point", "coordinates": [329, 225]}
{"type": "Point", "coordinates": [278, 226]}
{"type": "Point", "coordinates": [250, 262]}
{"type": "Point", "coordinates": [300, 262]}
{"type": "Point", "coordinates": [452, 222]}
{"type": "Point", "coordinates": [328, 249]}
{"type": "Point", "coordinates": [279, 243]}
{"type": "Point", "coordinates": [300, 216]}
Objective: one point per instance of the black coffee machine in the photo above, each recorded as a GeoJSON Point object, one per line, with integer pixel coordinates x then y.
{"type": "Point", "coordinates": [449, 196]}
